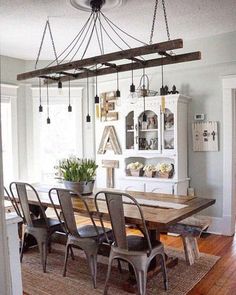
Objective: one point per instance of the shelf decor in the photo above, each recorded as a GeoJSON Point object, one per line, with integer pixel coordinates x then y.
{"type": "Point", "coordinates": [165, 170]}
{"type": "Point", "coordinates": [135, 168]}
{"type": "Point", "coordinates": [150, 170]}
{"type": "Point", "coordinates": [109, 141]}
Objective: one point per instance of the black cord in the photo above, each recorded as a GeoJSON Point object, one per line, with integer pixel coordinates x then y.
{"type": "Point", "coordinates": [124, 31]}
{"type": "Point", "coordinates": [100, 46]}
{"type": "Point", "coordinates": [87, 94]}
{"type": "Point", "coordinates": [74, 40]}
{"type": "Point", "coordinates": [82, 39]}
{"type": "Point", "coordinates": [90, 37]}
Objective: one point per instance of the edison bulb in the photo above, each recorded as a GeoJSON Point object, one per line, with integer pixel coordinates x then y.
{"type": "Point", "coordinates": [133, 97]}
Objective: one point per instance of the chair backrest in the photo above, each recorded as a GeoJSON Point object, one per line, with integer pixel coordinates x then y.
{"type": "Point", "coordinates": [13, 202]}
{"type": "Point", "coordinates": [21, 191]}
{"type": "Point", "coordinates": [115, 206]}
{"type": "Point", "coordinates": [66, 206]}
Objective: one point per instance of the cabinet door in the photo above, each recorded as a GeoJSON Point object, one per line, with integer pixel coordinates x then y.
{"type": "Point", "coordinates": [149, 129]}
{"type": "Point", "coordinates": [160, 187]}
{"type": "Point", "coordinates": [169, 128]}
{"type": "Point", "coordinates": [130, 131]}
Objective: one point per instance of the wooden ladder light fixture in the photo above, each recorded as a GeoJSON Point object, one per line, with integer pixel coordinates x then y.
{"type": "Point", "coordinates": [97, 26]}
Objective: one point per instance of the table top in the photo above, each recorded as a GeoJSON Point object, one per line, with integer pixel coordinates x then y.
{"type": "Point", "coordinates": [155, 216]}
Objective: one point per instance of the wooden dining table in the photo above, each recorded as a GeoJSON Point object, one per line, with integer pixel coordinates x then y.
{"type": "Point", "coordinates": [156, 215]}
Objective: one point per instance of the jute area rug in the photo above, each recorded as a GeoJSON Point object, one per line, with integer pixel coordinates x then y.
{"type": "Point", "coordinates": [182, 278]}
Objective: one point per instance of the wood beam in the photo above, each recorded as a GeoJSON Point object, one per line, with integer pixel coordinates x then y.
{"type": "Point", "coordinates": [119, 55]}
{"type": "Point", "coordinates": [136, 65]}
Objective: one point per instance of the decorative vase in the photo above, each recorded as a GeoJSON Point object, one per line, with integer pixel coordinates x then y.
{"type": "Point", "coordinates": [165, 174]}
{"type": "Point", "coordinates": [150, 173]}
{"type": "Point", "coordinates": [81, 187]}
{"type": "Point", "coordinates": [135, 172]}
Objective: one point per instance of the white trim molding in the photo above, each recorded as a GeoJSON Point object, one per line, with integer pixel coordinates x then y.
{"type": "Point", "coordinates": [229, 190]}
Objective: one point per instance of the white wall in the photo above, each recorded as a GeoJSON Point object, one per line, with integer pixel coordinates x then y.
{"type": "Point", "coordinates": [200, 80]}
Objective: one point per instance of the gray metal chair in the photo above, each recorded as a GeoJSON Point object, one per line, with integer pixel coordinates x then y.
{"type": "Point", "coordinates": [41, 228]}
{"type": "Point", "coordinates": [88, 237]}
{"type": "Point", "coordinates": [137, 251]}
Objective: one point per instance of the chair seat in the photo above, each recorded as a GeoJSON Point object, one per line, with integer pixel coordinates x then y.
{"type": "Point", "coordinates": [137, 243]}
{"type": "Point", "coordinates": [52, 223]}
{"type": "Point", "coordinates": [88, 231]}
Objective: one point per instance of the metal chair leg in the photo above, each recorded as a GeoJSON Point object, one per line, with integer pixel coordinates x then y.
{"type": "Point", "coordinates": [108, 275]}
{"type": "Point", "coordinates": [119, 266]}
{"type": "Point", "coordinates": [65, 261]}
{"type": "Point", "coordinates": [72, 253]}
{"type": "Point", "coordinates": [141, 277]}
{"type": "Point", "coordinates": [92, 260]}
{"type": "Point", "coordinates": [164, 271]}
{"type": "Point", "coordinates": [22, 247]}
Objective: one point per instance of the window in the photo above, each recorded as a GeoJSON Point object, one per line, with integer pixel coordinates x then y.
{"type": "Point", "coordinates": [61, 138]}
{"type": "Point", "coordinates": [6, 141]}
{"type": "Point", "coordinates": [9, 133]}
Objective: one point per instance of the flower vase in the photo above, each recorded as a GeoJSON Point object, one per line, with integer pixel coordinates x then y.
{"type": "Point", "coordinates": [150, 174]}
{"type": "Point", "coordinates": [135, 172]}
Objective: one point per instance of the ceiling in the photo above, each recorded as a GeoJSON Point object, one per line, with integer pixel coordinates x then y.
{"type": "Point", "coordinates": [22, 23]}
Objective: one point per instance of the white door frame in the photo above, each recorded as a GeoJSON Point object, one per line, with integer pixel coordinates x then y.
{"type": "Point", "coordinates": [229, 139]}
{"type": "Point", "coordinates": [5, 275]}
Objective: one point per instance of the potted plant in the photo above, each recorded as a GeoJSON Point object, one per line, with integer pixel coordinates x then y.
{"type": "Point", "coordinates": [165, 170]}
{"type": "Point", "coordinates": [135, 168]}
{"type": "Point", "coordinates": [78, 174]}
{"type": "Point", "coordinates": [150, 170]}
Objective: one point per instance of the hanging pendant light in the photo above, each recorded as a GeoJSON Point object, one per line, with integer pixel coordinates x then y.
{"type": "Point", "coordinates": [48, 119]}
{"type": "Point", "coordinates": [96, 98]}
{"type": "Point", "coordinates": [88, 118]}
{"type": "Point", "coordinates": [59, 86]}
{"type": "Point", "coordinates": [69, 106]}
{"type": "Point", "coordinates": [133, 96]}
{"type": "Point", "coordinates": [40, 97]}
{"type": "Point", "coordinates": [117, 84]}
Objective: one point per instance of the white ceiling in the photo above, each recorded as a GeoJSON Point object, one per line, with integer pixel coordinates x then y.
{"type": "Point", "coordinates": [22, 22]}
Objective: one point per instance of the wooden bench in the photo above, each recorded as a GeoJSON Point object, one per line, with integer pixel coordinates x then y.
{"type": "Point", "coordinates": [190, 229]}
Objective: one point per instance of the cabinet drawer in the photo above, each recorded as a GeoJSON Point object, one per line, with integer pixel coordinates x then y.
{"type": "Point", "coordinates": [131, 185]}
{"type": "Point", "coordinates": [158, 187]}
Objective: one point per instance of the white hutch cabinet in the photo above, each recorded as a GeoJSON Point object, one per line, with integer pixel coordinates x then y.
{"type": "Point", "coordinates": [158, 135]}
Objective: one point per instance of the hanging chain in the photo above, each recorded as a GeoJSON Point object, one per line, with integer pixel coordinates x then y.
{"type": "Point", "coordinates": [41, 43]}
{"type": "Point", "coordinates": [40, 47]}
{"type": "Point", "coordinates": [153, 22]}
{"type": "Point", "coordinates": [166, 21]}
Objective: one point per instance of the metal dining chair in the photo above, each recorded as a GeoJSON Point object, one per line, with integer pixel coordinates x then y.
{"type": "Point", "coordinates": [137, 251]}
{"type": "Point", "coordinates": [40, 228]}
{"type": "Point", "coordinates": [87, 237]}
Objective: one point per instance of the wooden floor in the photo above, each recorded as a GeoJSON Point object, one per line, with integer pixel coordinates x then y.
{"type": "Point", "coordinates": [221, 280]}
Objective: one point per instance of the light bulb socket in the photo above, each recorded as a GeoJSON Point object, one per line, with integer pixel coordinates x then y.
{"type": "Point", "coordinates": [96, 99]}
{"type": "Point", "coordinates": [59, 85]}
{"type": "Point", "coordinates": [88, 118]}
{"type": "Point", "coordinates": [162, 90]}
{"type": "Point", "coordinates": [48, 120]}
{"type": "Point", "coordinates": [40, 108]}
{"type": "Point", "coordinates": [144, 117]}
{"type": "Point", "coordinates": [117, 93]}
{"type": "Point", "coordinates": [132, 88]}
{"type": "Point", "coordinates": [69, 108]}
